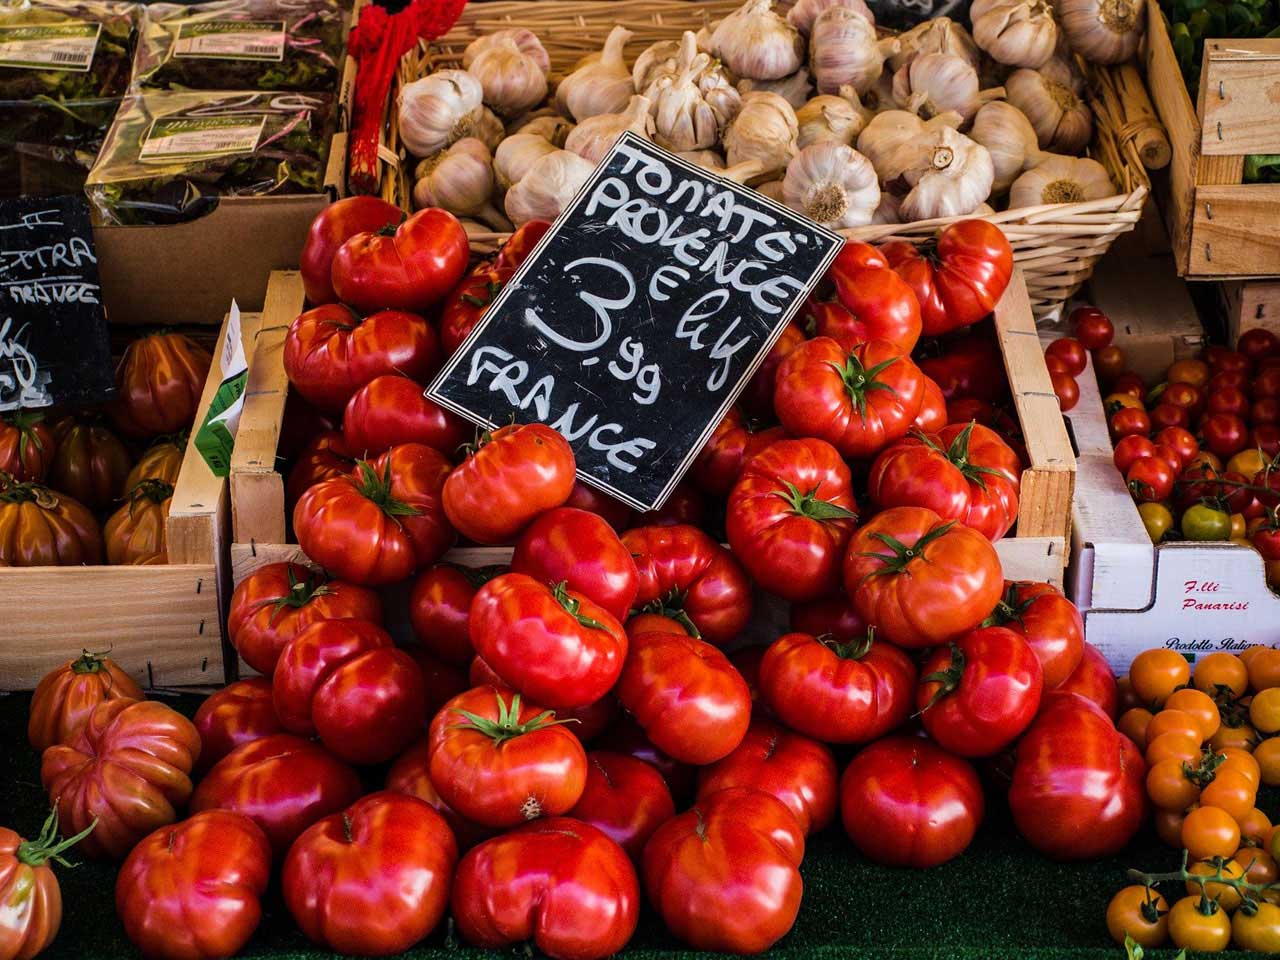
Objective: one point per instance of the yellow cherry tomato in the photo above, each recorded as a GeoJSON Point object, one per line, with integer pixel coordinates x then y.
{"type": "Point", "coordinates": [1238, 526]}
{"type": "Point", "coordinates": [1247, 462]}
{"type": "Point", "coordinates": [1268, 756]}
{"type": "Point", "coordinates": [1198, 704]}
{"type": "Point", "coordinates": [1139, 912]}
{"type": "Point", "coordinates": [1258, 929]}
{"type": "Point", "coordinates": [1199, 924]}
{"type": "Point", "coordinates": [1156, 673]}
{"type": "Point", "coordinates": [1264, 711]}
{"type": "Point", "coordinates": [1157, 518]}
{"type": "Point", "coordinates": [1227, 896]}
{"type": "Point", "coordinates": [1221, 670]}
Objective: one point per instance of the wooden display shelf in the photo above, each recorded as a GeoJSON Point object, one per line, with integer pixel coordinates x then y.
{"type": "Point", "coordinates": [1251, 303]}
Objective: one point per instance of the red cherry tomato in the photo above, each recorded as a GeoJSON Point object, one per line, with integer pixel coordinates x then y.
{"type": "Point", "coordinates": [1224, 434]}
{"type": "Point", "coordinates": [1257, 343]}
{"type": "Point", "coordinates": [1091, 327]}
{"type": "Point", "coordinates": [582, 550]}
{"type": "Point", "coordinates": [1150, 479]}
{"type": "Point", "coordinates": [1181, 440]}
{"type": "Point", "coordinates": [1166, 415]}
{"type": "Point", "coordinates": [1223, 360]}
{"type": "Point", "coordinates": [1066, 390]}
{"type": "Point", "coordinates": [1130, 383]}
{"type": "Point", "coordinates": [1109, 363]}
{"type": "Point", "coordinates": [409, 267]}
{"type": "Point", "coordinates": [391, 410]}
{"type": "Point", "coordinates": [1185, 395]}
{"type": "Point", "coordinates": [624, 798]}
{"type": "Point", "coordinates": [1071, 352]}
{"type": "Point", "coordinates": [1129, 420]}
{"type": "Point", "coordinates": [1264, 410]}
{"type": "Point", "coordinates": [1130, 449]}
{"type": "Point", "coordinates": [1225, 399]}
{"type": "Point", "coordinates": [239, 713]}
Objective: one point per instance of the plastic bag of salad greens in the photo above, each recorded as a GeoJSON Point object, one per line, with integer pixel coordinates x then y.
{"type": "Point", "coordinates": [64, 64]}
{"type": "Point", "coordinates": [242, 45]}
{"type": "Point", "coordinates": [169, 156]}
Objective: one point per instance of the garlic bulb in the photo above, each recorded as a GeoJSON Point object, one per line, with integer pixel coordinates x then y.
{"type": "Point", "coordinates": [1103, 31]}
{"type": "Point", "coordinates": [682, 119]}
{"type": "Point", "coordinates": [548, 187]}
{"type": "Point", "coordinates": [939, 35]}
{"type": "Point", "coordinates": [949, 174]}
{"type": "Point", "coordinates": [460, 180]}
{"type": "Point", "coordinates": [832, 184]}
{"type": "Point", "coordinates": [603, 86]}
{"type": "Point", "coordinates": [1019, 33]}
{"type": "Point", "coordinates": [748, 171]}
{"type": "Point", "coordinates": [438, 110]}
{"type": "Point", "coordinates": [654, 60]}
{"type": "Point", "coordinates": [756, 43]}
{"type": "Point", "coordinates": [772, 190]}
{"type": "Point", "coordinates": [525, 40]}
{"type": "Point", "coordinates": [934, 83]}
{"type": "Point", "coordinates": [516, 155]}
{"type": "Point", "coordinates": [765, 129]}
{"type": "Point", "coordinates": [512, 79]}
{"type": "Point", "coordinates": [887, 211]}
{"type": "Point", "coordinates": [707, 159]}
{"type": "Point", "coordinates": [838, 119]}
{"type": "Point", "coordinates": [802, 15]}
{"type": "Point", "coordinates": [795, 89]}
{"type": "Point", "coordinates": [595, 136]}
{"type": "Point", "coordinates": [553, 129]}
{"type": "Point", "coordinates": [1059, 179]}
{"type": "Point", "coordinates": [489, 129]}
{"type": "Point", "coordinates": [1062, 121]}
{"type": "Point", "coordinates": [1010, 139]}
{"type": "Point", "coordinates": [844, 51]}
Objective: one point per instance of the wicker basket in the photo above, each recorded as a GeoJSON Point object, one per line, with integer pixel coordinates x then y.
{"type": "Point", "coordinates": [1056, 245]}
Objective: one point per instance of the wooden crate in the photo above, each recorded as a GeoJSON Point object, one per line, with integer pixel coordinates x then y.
{"type": "Point", "coordinates": [1249, 304]}
{"type": "Point", "coordinates": [1219, 226]}
{"type": "Point", "coordinates": [161, 623]}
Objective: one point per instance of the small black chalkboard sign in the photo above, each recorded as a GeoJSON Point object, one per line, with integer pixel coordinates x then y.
{"type": "Point", "coordinates": [638, 319]}
{"type": "Point", "coordinates": [54, 344]}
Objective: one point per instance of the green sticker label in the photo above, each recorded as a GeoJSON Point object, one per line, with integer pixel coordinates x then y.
{"type": "Point", "coordinates": [188, 138]}
{"type": "Point", "coordinates": [231, 40]}
{"type": "Point", "coordinates": [216, 437]}
{"type": "Point", "coordinates": [49, 46]}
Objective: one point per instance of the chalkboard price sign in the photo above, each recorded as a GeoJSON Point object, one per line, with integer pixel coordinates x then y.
{"type": "Point", "coordinates": [54, 345]}
{"type": "Point", "coordinates": [638, 319]}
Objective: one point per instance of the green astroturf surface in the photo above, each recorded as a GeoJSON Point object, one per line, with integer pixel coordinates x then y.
{"type": "Point", "coordinates": [998, 900]}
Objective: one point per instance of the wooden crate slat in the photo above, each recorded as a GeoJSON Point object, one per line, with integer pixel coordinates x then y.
{"type": "Point", "coordinates": [1239, 91]}
{"type": "Point", "coordinates": [1234, 230]}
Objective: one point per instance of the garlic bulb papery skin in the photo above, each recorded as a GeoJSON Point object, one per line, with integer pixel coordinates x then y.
{"type": "Point", "coordinates": [553, 129]}
{"type": "Point", "coordinates": [757, 44]}
{"type": "Point", "coordinates": [1010, 139]}
{"type": "Point", "coordinates": [1103, 31]}
{"type": "Point", "coordinates": [765, 129]}
{"type": "Point", "coordinates": [682, 120]}
{"type": "Point", "coordinates": [707, 159]}
{"type": "Point", "coordinates": [772, 190]}
{"type": "Point", "coordinates": [656, 59]}
{"type": "Point", "coordinates": [547, 188]}
{"type": "Point", "coordinates": [830, 117]}
{"type": "Point", "coordinates": [600, 87]}
{"type": "Point", "coordinates": [887, 211]}
{"type": "Point", "coordinates": [1062, 121]}
{"type": "Point", "coordinates": [489, 129]}
{"type": "Point", "coordinates": [802, 15]}
{"type": "Point", "coordinates": [438, 110]}
{"type": "Point", "coordinates": [595, 136]}
{"type": "Point", "coordinates": [832, 184]}
{"type": "Point", "coordinates": [516, 155]}
{"type": "Point", "coordinates": [795, 89]}
{"type": "Point", "coordinates": [526, 41]}
{"type": "Point", "coordinates": [513, 81]}
{"type": "Point", "coordinates": [939, 35]}
{"type": "Point", "coordinates": [934, 83]}
{"type": "Point", "coordinates": [1059, 179]}
{"type": "Point", "coordinates": [953, 180]}
{"type": "Point", "coordinates": [748, 171]}
{"type": "Point", "coordinates": [896, 141]}
{"type": "Point", "coordinates": [459, 180]}
{"type": "Point", "coordinates": [1017, 33]}
{"type": "Point", "coordinates": [844, 51]}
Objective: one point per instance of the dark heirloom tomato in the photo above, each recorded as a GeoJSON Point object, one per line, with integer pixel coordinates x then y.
{"type": "Point", "coordinates": [91, 464]}
{"type": "Point", "coordinates": [282, 783]}
{"type": "Point", "coordinates": [1078, 789]}
{"type": "Point", "coordinates": [330, 352]}
{"type": "Point", "coordinates": [345, 681]}
{"type": "Point", "coordinates": [582, 550]}
{"type": "Point", "coordinates": [833, 615]}
{"type": "Point", "coordinates": [1048, 621]}
{"type": "Point", "coordinates": [411, 775]}
{"type": "Point", "coordinates": [239, 713]}
{"type": "Point", "coordinates": [757, 395]}
{"type": "Point", "coordinates": [391, 410]}
{"type": "Point", "coordinates": [374, 879]}
{"type": "Point", "coordinates": [964, 473]}
{"type": "Point", "coordinates": [27, 446]}
{"type": "Point", "coordinates": [906, 802]}
{"type": "Point", "coordinates": [440, 609]}
{"type": "Point", "coordinates": [1093, 680]}
{"type": "Point", "coordinates": [409, 266]}
{"type": "Point", "coordinates": [66, 696]}
{"type": "Point", "coordinates": [919, 580]}
{"type": "Point", "coordinates": [129, 768]}
{"type": "Point", "coordinates": [549, 643]}
{"type": "Point", "coordinates": [933, 408]}
{"type": "Point", "coordinates": [514, 474]}
{"type": "Point", "coordinates": [29, 890]}
{"type": "Point", "coordinates": [560, 883]}
{"type": "Point", "coordinates": [42, 528]}
{"type": "Point", "coordinates": [136, 533]}
{"type": "Point", "coordinates": [724, 876]}
{"type": "Point", "coordinates": [837, 691]}
{"type": "Point", "coordinates": [624, 798]}
{"type": "Point", "coordinates": [735, 440]}
{"type": "Point", "coordinates": [326, 457]}
{"type": "Point", "coordinates": [687, 576]}
{"type": "Point", "coordinates": [858, 400]}
{"type": "Point", "coordinates": [881, 305]}
{"type": "Point", "coordinates": [160, 461]}
{"type": "Point", "coordinates": [957, 279]}
{"type": "Point", "coordinates": [790, 515]}
{"type": "Point", "coordinates": [796, 770]}
{"type": "Point", "coordinates": [277, 602]}
{"type": "Point", "coordinates": [686, 696]}
{"type": "Point", "coordinates": [976, 696]}
{"type": "Point", "coordinates": [333, 226]}
{"type": "Point", "coordinates": [192, 890]}
{"type": "Point", "coordinates": [625, 736]}
{"type": "Point", "coordinates": [586, 497]}
{"type": "Point", "coordinates": [499, 761]}
{"type": "Point", "coordinates": [159, 381]}
{"type": "Point", "coordinates": [383, 522]}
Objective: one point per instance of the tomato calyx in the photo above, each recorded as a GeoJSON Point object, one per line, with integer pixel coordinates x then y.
{"type": "Point", "coordinates": [157, 491]}
{"type": "Point", "coordinates": [88, 662]}
{"type": "Point", "coordinates": [508, 725]}
{"type": "Point", "coordinates": [572, 606]}
{"type": "Point", "coordinates": [477, 577]}
{"type": "Point", "coordinates": [300, 593]}
{"type": "Point", "coordinates": [24, 422]}
{"type": "Point", "coordinates": [949, 679]}
{"type": "Point", "coordinates": [377, 490]}
{"type": "Point", "coordinates": [808, 505]}
{"type": "Point", "coordinates": [903, 555]}
{"type": "Point", "coordinates": [29, 492]}
{"type": "Point", "coordinates": [1203, 773]}
{"type": "Point", "coordinates": [1010, 609]}
{"type": "Point", "coordinates": [47, 846]}
{"type": "Point", "coordinates": [849, 651]}
{"type": "Point", "coordinates": [672, 607]}
{"type": "Point", "coordinates": [958, 455]}
{"type": "Point", "coordinates": [860, 380]}
{"type": "Point", "coordinates": [491, 290]}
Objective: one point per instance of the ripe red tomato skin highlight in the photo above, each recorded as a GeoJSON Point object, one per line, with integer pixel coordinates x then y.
{"type": "Point", "coordinates": [582, 549]}
{"type": "Point", "coordinates": [625, 798]}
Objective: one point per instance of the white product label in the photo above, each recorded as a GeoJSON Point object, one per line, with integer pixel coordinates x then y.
{"type": "Point", "coordinates": [182, 138]}
{"type": "Point", "coordinates": [49, 46]}
{"type": "Point", "coordinates": [231, 40]}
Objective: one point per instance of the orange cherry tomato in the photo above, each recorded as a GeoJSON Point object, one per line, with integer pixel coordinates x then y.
{"type": "Point", "coordinates": [1226, 895]}
{"type": "Point", "coordinates": [1255, 826]}
{"type": "Point", "coordinates": [1243, 737]}
{"type": "Point", "coordinates": [1196, 923]}
{"type": "Point", "coordinates": [1169, 787]}
{"type": "Point", "coordinates": [1133, 723]}
{"type": "Point", "coordinates": [1138, 911]}
{"type": "Point", "coordinates": [1168, 824]}
{"type": "Point", "coordinates": [1200, 705]}
{"type": "Point", "coordinates": [1264, 669]}
{"type": "Point", "coordinates": [1242, 762]}
{"type": "Point", "coordinates": [1205, 458]}
{"type": "Point", "coordinates": [1209, 832]}
{"type": "Point", "coordinates": [1231, 792]}
{"type": "Point", "coordinates": [1221, 670]}
{"type": "Point", "coordinates": [1157, 673]}
{"type": "Point", "coordinates": [1173, 721]}
{"type": "Point", "coordinates": [1267, 756]}
{"type": "Point", "coordinates": [1264, 711]}
{"type": "Point", "coordinates": [1259, 866]}
{"type": "Point", "coordinates": [1194, 372]}
{"type": "Point", "coordinates": [1174, 746]}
